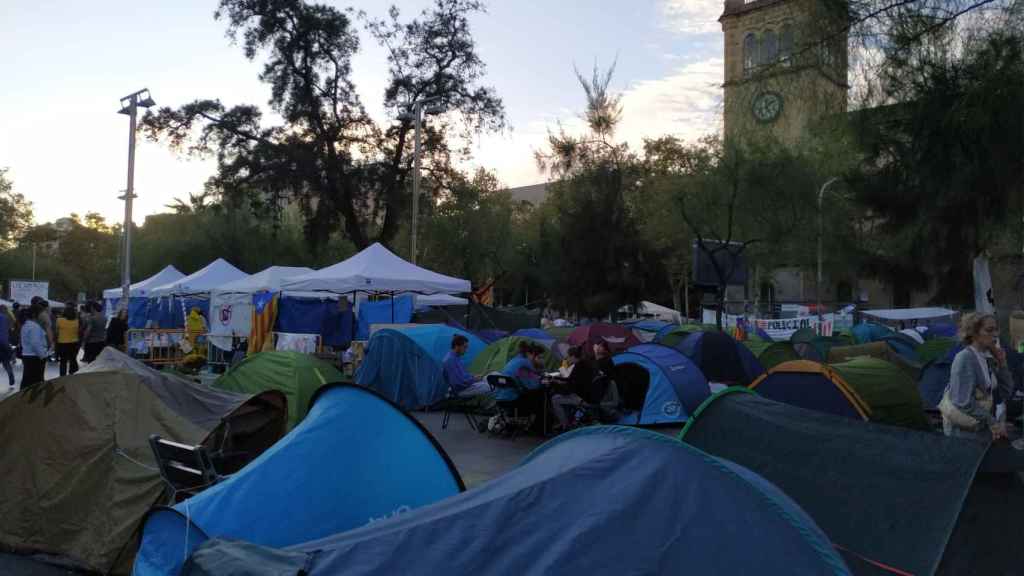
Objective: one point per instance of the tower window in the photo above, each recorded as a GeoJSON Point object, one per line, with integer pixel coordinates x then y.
{"type": "Point", "coordinates": [769, 48]}
{"type": "Point", "coordinates": [786, 45]}
{"type": "Point", "coordinates": [749, 54]}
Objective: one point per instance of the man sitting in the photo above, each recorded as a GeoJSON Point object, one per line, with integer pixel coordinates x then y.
{"type": "Point", "coordinates": [461, 382]}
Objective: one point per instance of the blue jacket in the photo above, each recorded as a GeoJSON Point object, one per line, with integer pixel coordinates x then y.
{"type": "Point", "coordinates": [33, 340]}
{"type": "Point", "coordinates": [455, 373]}
{"type": "Point", "coordinates": [520, 368]}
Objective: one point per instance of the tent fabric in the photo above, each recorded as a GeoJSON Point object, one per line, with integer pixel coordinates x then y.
{"type": "Point", "coordinates": [904, 346]}
{"type": "Point", "coordinates": [298, 376]}
{"type": "Point", "coordinates": [296, 315]}
{"type": "Point", "coordinates": [889, 392]}
{"type": "Point", "coordinates": [404, 364]}
{"type": "Point", "coordinates": [771, 354]}
{"type": "Point", "coordinates": [231, 303]}
{"type": "Point", "coordinates": [492, 336]}
{"type": "Point", "coordinates": [877, 349]}
{"type": "Point", "coordinates": [935, 348]}
{"type": "Point", "coordinates": [494, 357]}
{"type": "Point", "coordinates": [675, 387]}
{"type": "Point", "coordinates": [337, 470]}
{"type": "Point", "coordinates": [889, 494]}
{"type": "Point", "coordinates": [897, 314]}
{"type": "Point", "coordinates": [202, 281]}
{"type": "Point", "coordinates": [721, 358]}
{"type": "Point", "coordinates": [142, 288]}
{"type": "Point", "coordinates": [542, 336]}
{"type": "Point", "coordinates": [649, 505]}
{"type": "Point", "coordinates": [397, 310]}
{"type": "Point", "coordinates": [647, 330]}
{"type": "Point", "coordinates": [266, 280]}
{"type": "Point", "coordinates": [869, 332]}
{"type": "Point", "coordinates": [617, 337]}
{"type": "Point", "coordinates": [79, 474]}
{"type": "Point", "coordinates": [428, 300]}
{"type": "Point", "coordinates": [264, 317]}
{"type": "Point", "coordinates": [376, 269]}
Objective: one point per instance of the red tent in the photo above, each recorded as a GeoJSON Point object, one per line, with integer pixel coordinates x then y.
{"type": "Point", "coordinates": [618, 337]}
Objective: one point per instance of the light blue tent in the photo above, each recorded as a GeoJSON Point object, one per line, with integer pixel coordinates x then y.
{"type": "Point", "coordinates": [658, 385]}
{"type": "Point", "coordinates": [601, 500]}
{"type": "Point", "coordinates": [869, 332]}
{"type": "Point", "coordinates": [404, 364]}
{"type": "Point", "coordinates": [356, 459]}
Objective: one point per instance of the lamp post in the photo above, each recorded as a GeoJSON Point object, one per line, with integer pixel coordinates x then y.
{"type": "Point", "coordinates": [817, 285]}
{"type": "Point", "coordinates": [418, 109]}
{"type": "Point", "coordinates": [130, 105]}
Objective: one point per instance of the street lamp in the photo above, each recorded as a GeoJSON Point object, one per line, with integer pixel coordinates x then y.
{"type": "Point", "coordinates": [817, 286]}
{"type": "Point", "coordinates": [130, 105]}
{"type": "Point", "coordinates": [418, 110]}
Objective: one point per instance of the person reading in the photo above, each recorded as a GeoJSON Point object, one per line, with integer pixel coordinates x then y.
{"type": "Point", "coordinates": [461, 382]}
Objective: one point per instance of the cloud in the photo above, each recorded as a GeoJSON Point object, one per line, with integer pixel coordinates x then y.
{"type": "Point", "coordinates": [686, 104]}
{"type": "Point", "coordinates": [692, 16]}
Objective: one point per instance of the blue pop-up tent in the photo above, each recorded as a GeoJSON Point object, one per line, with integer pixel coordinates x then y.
{"type": "Point", "coordinates": [356, 459]}
{"type": "Point", "coordinates": [139, 294]}
{"type": "Point", "coordinates": [658, 385]}
{"type": "Point", "coordinates": [721, 358]}
{"type": "Point", "coordinates": [601, 500]}
{"type": "Point", "coordinates": [404, 364]}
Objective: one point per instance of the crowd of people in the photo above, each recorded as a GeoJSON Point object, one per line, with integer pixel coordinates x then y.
{"type": "Point", "coordinates": [577, 383]}
{"type": "Point", "coordinates": [36, 333]}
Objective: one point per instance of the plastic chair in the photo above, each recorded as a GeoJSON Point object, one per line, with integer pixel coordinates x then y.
{"type": "Point", "coordinates": [507, 409]}
{"type": "Point", "coordinates": [451, 401]}
{"type": "Point", "coordinates": [186, 469]}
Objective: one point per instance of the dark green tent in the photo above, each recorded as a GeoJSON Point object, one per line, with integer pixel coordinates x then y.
{"type": "Point", "coordinates": [935, 348]}
{"type": "Point", "coordinates": [675, 335]}
{"type": "Point", "coordinates": [295, 374]}
{"type": "Point", "coordinates": [498, 353]}
{"type": "Point", "coordinates": [882, 494]}
{"type": "Point", "coordinates": [888, 391]}
{"type": "Point", "coordinates": [560, 333]}
{"type": "Point", "coordinates": [78, 471]}
{"type": "Point", "coordinates": [776, 353]}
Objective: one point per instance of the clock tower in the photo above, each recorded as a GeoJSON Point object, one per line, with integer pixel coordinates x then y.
{"type": "Point", "coordinates": [785, 66]}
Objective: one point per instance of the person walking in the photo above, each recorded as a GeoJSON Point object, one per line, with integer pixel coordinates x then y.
{"type": "Point", "coordinates": [68, 344]}
{"type": "Point", "coordinates": [6, 326]}
{"type": "Point", "coordinates": [34, 348]}
{"type": "Point", "coordinates": [95, 337]}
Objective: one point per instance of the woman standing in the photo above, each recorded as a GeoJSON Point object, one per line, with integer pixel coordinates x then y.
{"type": "Point", "coordinates": [34, 349]}
{"type": "Point", "coordinates": [6, 327]}
{"type": "Point", "coordinates": [977, 372]}
{"type": "Point", "coordinates": [95, 337]}
{"type": "Point", "coordinates": [68, 343]}
{"type": "Point", "coordinates": [116, 330]}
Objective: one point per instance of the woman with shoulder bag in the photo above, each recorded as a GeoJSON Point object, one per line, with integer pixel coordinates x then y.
{"type": "Point", "coordinates": [977, 371]}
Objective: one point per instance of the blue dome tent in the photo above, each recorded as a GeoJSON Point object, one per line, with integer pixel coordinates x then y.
{"type": "Point", "coordinates": [658, 385]}
{"type": "Point", "coordinates": [541, 336]}
{"type": "Point", "coordinates": [721, 358]}
{"type": "Point", "coordinates": [404, 364]}
{"type": "Point", "coordinates": [869, 332]}
{"type": "Point", "coordinates": [648, 505]}
{"type": "Point", "coordinates": [355, 459]}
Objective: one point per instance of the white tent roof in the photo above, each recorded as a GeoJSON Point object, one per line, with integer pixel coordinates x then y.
{"type": "Point", "coordinates": [910, 313]}
{"type": "Point", "coordinates": [215, 274]}
{"type": "Point", "coordinates": [142, 288]}
{"type": "Point", "coordinates": [423, 300]}
{"type": "Point", "coordinates": [376, 269]}
{"type": "Point", "coordinates": [268, 279]}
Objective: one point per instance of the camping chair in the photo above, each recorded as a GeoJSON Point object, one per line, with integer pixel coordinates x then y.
{"type": "Point", "coordinates": [452, 401]}
{"type": "Point", "coordinates": [508, 412]}
{"type": "Point", "coordinates": [186, 469]}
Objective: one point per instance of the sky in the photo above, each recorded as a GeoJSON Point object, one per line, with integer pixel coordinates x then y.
{"type": "Point", "coordinates": [66, 64]}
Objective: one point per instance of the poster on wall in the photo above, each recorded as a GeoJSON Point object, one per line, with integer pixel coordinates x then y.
{"type": "Point", "coordinates": [22, 291]}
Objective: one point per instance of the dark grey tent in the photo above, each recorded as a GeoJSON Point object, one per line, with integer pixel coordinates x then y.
{"type": "Point", "coordinates": [884, 495]}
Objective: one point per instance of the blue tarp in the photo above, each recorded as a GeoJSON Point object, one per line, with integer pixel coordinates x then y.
{"type": "Point", "coordinates": [541, 336]}
{"type": "Point", "coordinates": [869, 332]}
{"type": "Point", "coordinates": [138, 310]}
{"type": "Point", "coordinates": [649, 325]}
{"type": "Point", "coordinates": [721, 358]}
{"type": "Point", "coordinates": [354, 460]}
{"type": "Point", "coordinates": [404, 364]}
{"type": "Point", "coordinates": [302, 315]}
{"type": "Point", "coordinates": [338, 328]}
{"type": "Point", "coordinates": [392, 311]}
{"type": "Point", "coordinates": [169, 312]}
{"type": "Point", "coordinates": [675, 386]}
{"type": "Point", "coordinates": [601, 500]}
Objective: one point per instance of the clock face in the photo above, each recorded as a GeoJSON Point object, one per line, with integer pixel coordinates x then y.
{"type": "Point", "coordinates": [767, 106]}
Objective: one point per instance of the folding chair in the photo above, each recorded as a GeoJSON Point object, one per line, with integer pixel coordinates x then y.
{"type": "Point", "coordinates": [507, 410]}
{"type": "Point", "coordinates": [186, 470]}
{"type": "Point", "coordinates": [451, 401]}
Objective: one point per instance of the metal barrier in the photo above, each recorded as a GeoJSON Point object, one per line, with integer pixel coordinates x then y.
{"type": "Point", "coordinates": [156, 346]}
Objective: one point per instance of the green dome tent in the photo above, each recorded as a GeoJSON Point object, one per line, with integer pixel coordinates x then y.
{"type": "Point", "coordinates": [676, 334]}
{"type": "Point", "coordinates": [776, 353]}
{"type": "Point", "coordinates": [560, 333]}
{"type": "Point", "coordinates": [295, 374]}
{"type": "Point", "coordinates": [887, 389]}
{"type": "Point", "coordinates": [498, 353]}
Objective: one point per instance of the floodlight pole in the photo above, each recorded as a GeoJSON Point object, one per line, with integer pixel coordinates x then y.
{"type": "Point", "coordinates": [817, 284]}
{"type": "Point", "coordinates": [130, 106]}
{"type": "Point", "coordinates": [417, 112]}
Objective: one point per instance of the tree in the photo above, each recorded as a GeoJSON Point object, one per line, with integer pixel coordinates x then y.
{"type": "Point", "coordinates": [329, 157]}
{"type": "Point", "coordinates": [943, 171]}
{"type": "Point", "coordinates": [15, 213]}
{"type": "Point", "coordinates": [600, 261]}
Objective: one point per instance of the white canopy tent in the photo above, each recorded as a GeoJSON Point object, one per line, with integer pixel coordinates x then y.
{"type": "Point", "coordinates": [426, 300]}
{"type": "Point", "coordinates": [213, 275]}
{"type": "Point", "coordinates": [896, 314]}
{"type": "Point", "coordinates": [142, 288]}
{"type": "Point", "coordinates": [231, 303]}
{"type": "Point", "coordinates": [376, 269]}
